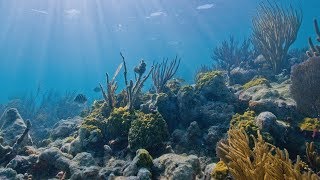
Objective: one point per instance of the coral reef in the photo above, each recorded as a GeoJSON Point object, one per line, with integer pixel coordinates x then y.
{"type": "Point", "coordinates": [230, 54]}
{"type": "Point", "coordinates": [176, 130]}
{"type": "Point", "coordinates": [264, 161]}
{"type": "Point", "coordinates": [256, 82]}
{"type": "Point", "coordinates": [305, 80]}
{"type": "Point", "coordinates": [119, 123]}
{"type": "Point", "coordinates": [173, 166]}
{"type": "Point", "coordinates": [279, 25]}
{"type": "Point", "coordinates": [133, 89]}
{"type": "Point", "coordinates": [212, 86]}
{"type": "Point", "coordinates": [313, 157]}
{"type": "Point", "coordinates": [148, 131]}
{"type": "Point", "coordinates": [163, 72]}
{"type": "Point", "coordinates": [220, 171]}
{"type": "Point", "coordinates": [315, 49]}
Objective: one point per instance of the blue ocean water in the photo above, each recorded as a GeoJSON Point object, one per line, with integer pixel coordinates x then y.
{"type": "Point", "coordinates": [70, 45]}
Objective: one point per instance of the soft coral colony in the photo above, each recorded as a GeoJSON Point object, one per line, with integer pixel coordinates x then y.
{"type": "Point", "coordinates": [253, 115]}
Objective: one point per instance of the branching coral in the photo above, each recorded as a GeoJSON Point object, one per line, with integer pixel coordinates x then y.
{"type": "Point", "coordinates": [275, 29]}
{"type": "Point", "coordinates": [112, 86]}
{"type": "Point", "coordinates": [133, 89]}
{"type": "Point", "coordinates": [230, 54]}
{"type": "Point", "coordinates": [313, 158]}
{"type": "Point", "coordinates": [314, 49]}
{"type": "Point", "coordinates": [264, 161]}
{"type": "Point", "coordinates": [163, 72]}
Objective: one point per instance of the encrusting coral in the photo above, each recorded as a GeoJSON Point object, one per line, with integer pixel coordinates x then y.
{"type": "Point", "coordinates": [310, 124]}
{"type": "Point", "coordinates": [264, 161]}
{"type": "Point", "coordinates": [119, 122]}
{"type": "Point", "coordinates": [148, 131]}
{"type": "Point", "coordinates": [255, 82]}
{"type": "Point", "coordinates": [203, 79]}
{"type": "Point", "coordinates": [246, 121]}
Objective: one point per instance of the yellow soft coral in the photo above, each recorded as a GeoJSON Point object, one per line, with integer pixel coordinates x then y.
{"type": "Point", "coordinates": [264, 161]}
{"type": "Point", "coordinates": [220, 171]}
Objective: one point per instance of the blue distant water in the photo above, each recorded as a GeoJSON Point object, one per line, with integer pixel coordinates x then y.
{"type": "Point", "coordinates": [70, 44]}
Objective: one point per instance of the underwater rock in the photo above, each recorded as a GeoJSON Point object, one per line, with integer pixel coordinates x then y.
{"type": "Point", "coordinates": [88, 173]}
{"type": "Point", "coordinates": [215, 133]}
{"type": "Point", "coordinates": [113, 167]}
{"type": "Point", "coordinates": [241, 76]}
{"type": "Point", "coordinates": [53, 158]}
{"type": "Point", "coordinates": [142, 160]}
{"type": "Point", "coordinates": [168, 107]}
{"type": "Point", "coordinates": [212, 86]}
{"type": "Point", "coordinates": [75, 146]}
{"type": "Point", "coordinates": [84, 159]}
{"type": "Point", "coordinates": [83, 166]}
{"type": "Point", "coordinates": [215, 114]}
{"type": "Point", "coordinates": [12, 127]}
{"type": "Point", "coordinates": [208, 171]}
{"type": "Point", "coordinates": [4, 150]}
{"type": "Point", "coordinates": [274, 98]}
{"type": "Point", "coordinates": [281, 108]}
{"type": "Point", "coordinates": [8, 174]}
{"type": "Point", "coordinates": [144, 174]}
{"type": "Point", "coordinates": [177, 167]}
{"type": "Point", "coordinates": [65, 128]}
{"type": "Point", "coordinates": [22, 164]}
{"type": "Point", "coordinates": [266, 121]}
{"type": "Point", "coordinates": [188, 101]}
{"type": "Point", "coordinates": [193, 132]}
{"type": "Point", "coordinates": [91, 138]}
{"type": "Point", "coordinates": [107, 153]}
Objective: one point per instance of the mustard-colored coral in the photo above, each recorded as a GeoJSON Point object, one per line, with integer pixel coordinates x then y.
{"type": "Point", "coordinates": [204, 79]}
{"type": "Point", "coordinates": [310, 124]}
{"type": "Point", "coordinates": [220, 171]}
{"type": "Point", "coordinates": [256, 82]}
{"type": "Point", "coordinates": [144, 159]}
{"type": "Point", "coordinates": [119, 122]}
{"type": "Point", "coordinates": [264, 161]}
{"type": "Point", "coordinates": [246, 121]}
{"type": "Point", "coordinates": [148, 131]}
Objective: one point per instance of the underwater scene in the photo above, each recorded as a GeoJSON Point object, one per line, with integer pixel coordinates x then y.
{"type": "Point", "coordinates": [159, 89]}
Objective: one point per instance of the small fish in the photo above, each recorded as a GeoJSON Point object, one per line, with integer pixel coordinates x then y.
{"type": "Point", "coordinates": [97, 89]}
{"type": "Point", "coordinates": [81, 99]}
